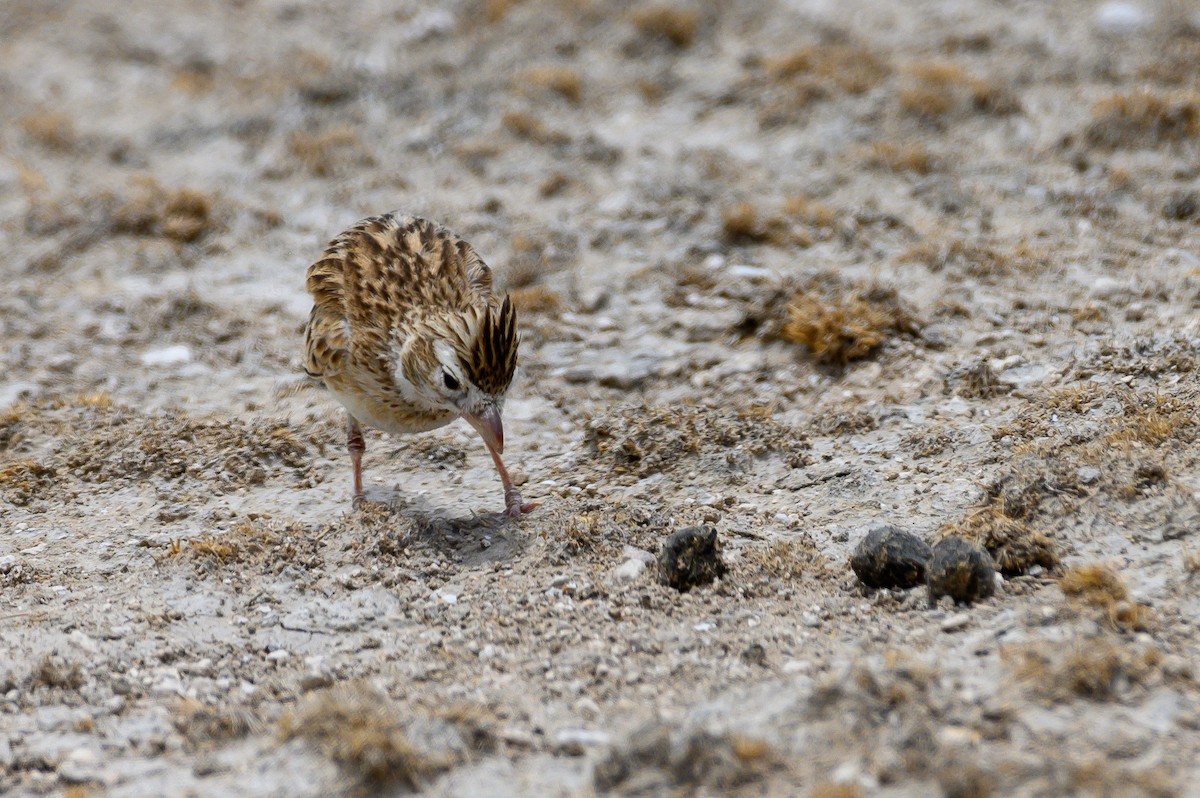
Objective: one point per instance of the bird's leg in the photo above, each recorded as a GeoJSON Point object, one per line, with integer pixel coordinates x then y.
{"type": "Point", "coordinates": [514, 506]}
{"type": "Point", "coordinates": [356, 445]}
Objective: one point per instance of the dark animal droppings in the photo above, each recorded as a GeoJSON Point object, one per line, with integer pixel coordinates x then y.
{"type": "Point", "coordinates": [690, 557]}
{"type": "Point", "coordinates": [962, 570]}
{"type": "Point", "coordinates": [890, 557]}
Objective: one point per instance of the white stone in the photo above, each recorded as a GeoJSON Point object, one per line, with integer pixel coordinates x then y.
{"type": "Point", "coordinates": [1105, 287]}
{"type": "Point", "coordinates": [167, 356]}
{"type": "Point", "coordinates": [630, 570]}
{"type": "Point", "coordinates": [1121, 19]}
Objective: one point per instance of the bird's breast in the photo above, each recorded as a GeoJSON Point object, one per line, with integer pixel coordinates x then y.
{"type": "Point", "coordinates": [389, 414]}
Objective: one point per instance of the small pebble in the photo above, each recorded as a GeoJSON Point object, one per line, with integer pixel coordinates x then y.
{"type": "Point", "coordinates": [962, 570]}
{"type": "Point", "coordinates": [630, 570]}
{"type": "Point", "coordinates": [955, 622]}
{"type": "Point", "coordinates": [690, 557]}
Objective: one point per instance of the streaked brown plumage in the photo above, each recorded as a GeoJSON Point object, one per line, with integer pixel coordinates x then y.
{"type": "Point", "coordinates": [408, 335]}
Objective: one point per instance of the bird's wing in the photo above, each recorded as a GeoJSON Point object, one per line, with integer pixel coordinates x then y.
{"type": "Point", "coordinates": [327, 334]}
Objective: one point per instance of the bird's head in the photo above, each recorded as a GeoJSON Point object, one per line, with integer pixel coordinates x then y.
{"type": "Point", "coordinates": [470, 360]}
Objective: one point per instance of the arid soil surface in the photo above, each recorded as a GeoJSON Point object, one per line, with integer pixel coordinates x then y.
{"type": "Point", "coordinates": [791, 270]}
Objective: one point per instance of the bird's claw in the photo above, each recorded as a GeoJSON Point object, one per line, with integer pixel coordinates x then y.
{"type": "Point", "coordinates": [515, 506]}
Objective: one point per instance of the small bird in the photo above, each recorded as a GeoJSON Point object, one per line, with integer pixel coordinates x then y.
{"type": "Point", "coordinates": [407, 334]}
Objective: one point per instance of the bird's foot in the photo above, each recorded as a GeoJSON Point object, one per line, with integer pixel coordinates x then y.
{"type": "Point", "coordinates": [515, 506]}
{"type": "Point", "coordinates": [358, 502]}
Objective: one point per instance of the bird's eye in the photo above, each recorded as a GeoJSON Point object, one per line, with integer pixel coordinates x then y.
{"type": "Point", "coordinates": [451, 383]}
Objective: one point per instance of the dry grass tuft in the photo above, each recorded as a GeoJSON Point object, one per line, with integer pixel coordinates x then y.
{"type": "Point", "coordinates": [837, 791]}
{"type": "Point", "coordinates": [246, 542]}
{"type": "Point", "coordinates": [845, 328]}
{"type": "Point", "coordinates": [1004, 527]}
{"type": "Point", "coordinates": [1191, 561]}
{"type": "Point", "coordinates": [329, 153]}
{"type": "Point", "coordinates": [55, 672]}
{"type": "Point", "coordinates": [496, 10]}
{"type": "Point", "coordinates": [1101, 587]}
{"type": "Point", "coordinates": [1096, 585]}
{"type": "Point", "coordinates": [852, 68]}
{"type": "Point", "coordinates": [790, 83]}
{"type": "Point", "coordinates": [743, 224]}
{"type": "Point", "coordinates": [965, 780]}
{"type": "Point", "coordinates": [536, 300]}
{"type": "Point", "coordinates": [675, 25]}
{"type": "Point", "coordinates": [982, 260]}
{"type": "Point", "coordinates": [1096, 669]}
{"type": "Point", "coordinates": [560, 80]}
{"type": "Point", "coordinates": [201, 723]}
{"type": "Point", "coordinates": [53, 131]}
{"type": "Point", "coordinates": [1153, 421]}
{"type": "Point", "coordinates": [910, 158]}
{"type": "Point", "coordinates": [526, 126]}
{"type": "Point", "coordinates": [1144, 118]}
{"type": "Point", "coordinates": [639, 441]}
{"type": "Point", "coordinates": [938, 89]}
{"type": "Point", "coordinates": [184, 215]}
{"type": "Point", "coordinates": [23, 480]}
{"type": "Point", "coordinates": [789, 560]}
{"type": "Point", "coordinates": [359, 730]}
{"type": "Point", "coordinates": [740, 223]}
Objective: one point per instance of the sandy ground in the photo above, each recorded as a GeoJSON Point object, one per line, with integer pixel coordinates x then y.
{"type": "Point", "coordinates": [787, 269]}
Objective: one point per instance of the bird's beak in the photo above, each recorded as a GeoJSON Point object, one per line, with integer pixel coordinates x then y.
{"type": "Point", "coordinates": [489, 426]}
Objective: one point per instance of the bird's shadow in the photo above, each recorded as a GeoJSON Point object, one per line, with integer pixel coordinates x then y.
{"type": "Point", "coordinates": [476, 539]}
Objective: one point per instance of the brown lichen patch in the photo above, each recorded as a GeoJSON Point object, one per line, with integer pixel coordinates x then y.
{"type": "Point", "coordinates": [1144, 118]}
{"type": "Point", "coordinates": [1100, 587]}
{"type": "Point", "coordinates": [562, 81]}
{"type": "Point", "coordinates": [363, 733]}
{"type": "Point", "coordinates": [678, 26]}
{"type": "Point", "coordinates": [637, 441]}
{"type": "Point", "coordinates": [846, 326]}
{"type": "Point", "coordinates": [939, 89]}
{"type": "Point", "coordinates": [912, 158]}
{"type": "Point", "coordinates": [1097, 669]}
